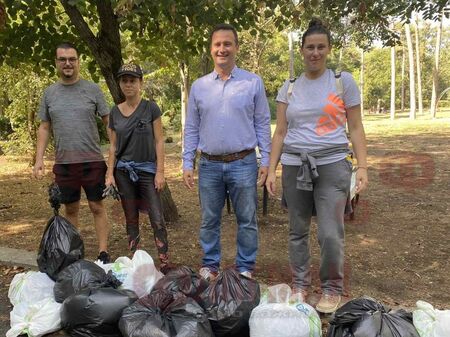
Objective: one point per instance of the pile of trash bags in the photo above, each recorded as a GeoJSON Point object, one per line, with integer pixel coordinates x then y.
{"type": "Point", "coordinates": [131, 298]}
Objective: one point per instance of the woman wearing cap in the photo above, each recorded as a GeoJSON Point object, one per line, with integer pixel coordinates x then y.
{"type": "Point", "coordinates": [136, 159]}
{"type": "Point", "coordinates": [310, 138]}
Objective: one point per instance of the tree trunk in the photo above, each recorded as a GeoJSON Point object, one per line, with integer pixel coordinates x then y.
{"type": "Point", "coordinates": [402, 94]}
{"type": "Point", "coordinates": [435, 90]}
{"type": "Point", "coordinates": [291, 55]}
{"type": "Point", "coordinates": [184, 88]}
{"type": "Point", "coordinates": [393, 82]}
{"type": "Point", "coordinates": [419, 72]}
{"type": "Point", "coordinates": [361, 82]}
{"type": "Point", "coordinates": [170, 210]}
{"type": "Point", "coordinates": [106, 46]}
{"type": "Point", "coordinates": [412, 84]}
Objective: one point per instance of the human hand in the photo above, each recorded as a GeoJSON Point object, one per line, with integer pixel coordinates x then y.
{"type": "Point", "coordinates": [188, 177]}
{"type": "Point", "coordinates": [262, 175]}
{"type": "Point", "coordinates": [109, 180]}
{"type": "Point", "coordinates": [38, 169]}
{"type": "Point", "coordinates": [159, 181]}
{"type": "Point", "coordinates": [362, 179]}
{"type": "Point", "coordinates": [271, 183]}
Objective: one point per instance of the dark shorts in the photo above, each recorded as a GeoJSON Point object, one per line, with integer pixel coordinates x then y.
{"type": "Point", "coordinates": [71, 177]}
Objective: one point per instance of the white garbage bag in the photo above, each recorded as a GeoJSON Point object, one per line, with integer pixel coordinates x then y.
{"type": "Point", "coordinates": [35, 319]}
{"type": "Point", "coordinates": [431, 322]}
{"type": "Point", "coordinates": [30, 287]}
{"type": "Point", "coordinates": [277, 316]}
{"type": "Point", "coordinates": [138, 274]}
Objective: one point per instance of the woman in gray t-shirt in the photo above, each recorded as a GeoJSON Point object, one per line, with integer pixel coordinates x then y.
{"type": "Point", "coordinates": [311, 141]}
{"type": "Point", "coordinates": [136, 160]}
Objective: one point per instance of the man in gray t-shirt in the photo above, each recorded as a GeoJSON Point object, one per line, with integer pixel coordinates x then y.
{"type": "Point", "coordinates": [69, 108]}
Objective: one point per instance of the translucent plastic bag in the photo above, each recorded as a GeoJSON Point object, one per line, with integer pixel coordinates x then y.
{"type": "Point", "coordinates": [140, 273]}
{"type": "Point", "coordinates": [431, 322]}
{"type": "Point", "coordinates": [30, 287]}
{"type": "Point", "coordinates": [277, 316]}
{"type": "Point", "coordinates": [35, 319]}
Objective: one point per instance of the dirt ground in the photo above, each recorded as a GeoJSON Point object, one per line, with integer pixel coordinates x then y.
{"type": "Point", "coordinates": [397, 247]}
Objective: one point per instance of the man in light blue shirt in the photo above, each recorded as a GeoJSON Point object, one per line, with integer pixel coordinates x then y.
{"type": "Point", "coordinates": [228, 116]}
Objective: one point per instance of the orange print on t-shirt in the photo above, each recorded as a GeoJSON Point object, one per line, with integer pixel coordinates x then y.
{"type": "Point", "coordinates": [334, 115]}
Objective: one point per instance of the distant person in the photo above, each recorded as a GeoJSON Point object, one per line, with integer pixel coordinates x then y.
{"type": "Point", "coordinates": [69, 108]}
{"type": "Point", "coordinates": [228, 116]}
{"type": "Point", "coordinates": [310, 137]}
{"type": "Point", "coordinates": [136, 160]}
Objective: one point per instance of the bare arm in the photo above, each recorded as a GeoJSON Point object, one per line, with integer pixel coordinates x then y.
{"type": "Point", "coordinates": [159, 145]}
{"type": "Point", "coordinates": [277, 145]}
{"type": "Point", "coordinates": [105, 120]}
{"type": "Point", "coordinates": [42, 141]}
{"type": "Point", "coordinates": [358, 138]}
{"type": "Point", "coordinates": [111, 158]}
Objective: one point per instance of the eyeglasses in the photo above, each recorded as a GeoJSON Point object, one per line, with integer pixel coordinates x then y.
{"type": "Point", "coordinates": [63, 60]}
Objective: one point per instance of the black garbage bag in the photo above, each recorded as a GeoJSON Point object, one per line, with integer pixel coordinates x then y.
{"type": "Point", "coordinates": [95, 312]}
{"type": "Point", "coordinates": [183, 279]}
{"type": "Point", "coordinates": [80, 275]}
{"type": "Point", "coordinates": [61, 243]}
{"type": "Point", "coordinates": [365, 317]}
{"type": "Point", "coordinates": [165, 313]}
{"type": "Point", "coordinates": [229, 301]}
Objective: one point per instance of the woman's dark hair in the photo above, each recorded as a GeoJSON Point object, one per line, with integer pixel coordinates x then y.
{"type": "Point", "coordinates": [316, 26]}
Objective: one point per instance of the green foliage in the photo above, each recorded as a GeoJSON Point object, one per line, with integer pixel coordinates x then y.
{"type": "Point", "coordinates": [23, 89]}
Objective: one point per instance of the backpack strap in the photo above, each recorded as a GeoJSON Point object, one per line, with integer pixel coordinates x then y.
{"type": "Point", "coordinates": [291, 86]}
{"type": "Point", "coordinates": [339, 84]}
{"type": "Point", "coordinates": [337, 77]}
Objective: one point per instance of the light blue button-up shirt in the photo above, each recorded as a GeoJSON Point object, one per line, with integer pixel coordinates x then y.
{"type": "Point", "coordinates": [227, 116]}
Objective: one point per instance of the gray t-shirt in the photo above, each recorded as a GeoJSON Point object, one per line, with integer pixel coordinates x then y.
{"type": "Point", "coordinates": [71, 109]}
{"type": "Point", "coordinates": [135, 140]}
{"type": "Point", "coordinates": [316, 115]}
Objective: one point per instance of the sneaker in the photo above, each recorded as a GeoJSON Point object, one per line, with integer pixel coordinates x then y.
{"type": "Point", "coordinates": [247, 274]}
{"type": "Point", "coordinates": [208, 274]}
{"type": "Point", "coordinates": [328, 303]}
{"type": "Point", "coordinates": [104, 257]}
{"type": "Point", "coordinates": [298, 295]}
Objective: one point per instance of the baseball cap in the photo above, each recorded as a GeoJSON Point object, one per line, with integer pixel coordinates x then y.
{"type": "Point", "coordinates": [130, 69]}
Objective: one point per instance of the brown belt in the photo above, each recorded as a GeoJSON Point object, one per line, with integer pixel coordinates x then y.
{"type": "Point", "coordinates": [228, 157]}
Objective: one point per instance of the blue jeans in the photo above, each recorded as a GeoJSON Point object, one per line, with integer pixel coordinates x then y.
{"type": "Point", "coordinates": [239, 178]}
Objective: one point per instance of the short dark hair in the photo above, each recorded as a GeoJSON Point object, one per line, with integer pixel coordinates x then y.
{"type": "Point", "coordinates": [224, 26]}
{"type": "Point", "coordinates": [66, 45]}
{"type": "Point", "coordinates": [316, 26]}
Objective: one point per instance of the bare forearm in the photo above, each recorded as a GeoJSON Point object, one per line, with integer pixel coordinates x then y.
{"type": "Point", "coordinates": [275, 154]}
{"type": "Point", "coordinates": [42, 141]}
{"type": "Point", "coordinates": [160, 156]}
{"type": "Point", "coordinates": [358, 138]}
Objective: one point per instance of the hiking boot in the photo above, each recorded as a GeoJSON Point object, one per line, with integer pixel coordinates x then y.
{"type": "Point", "coordinates": [247, 274]}
{"type": "Point", "coordinates": [208, 274]}
{"type": "Point", "coordinates": [328, 303]}
{"type": "Point", "coordinates": [298, 295]}
{"type": "Point", "coordinates": [104, 257]}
